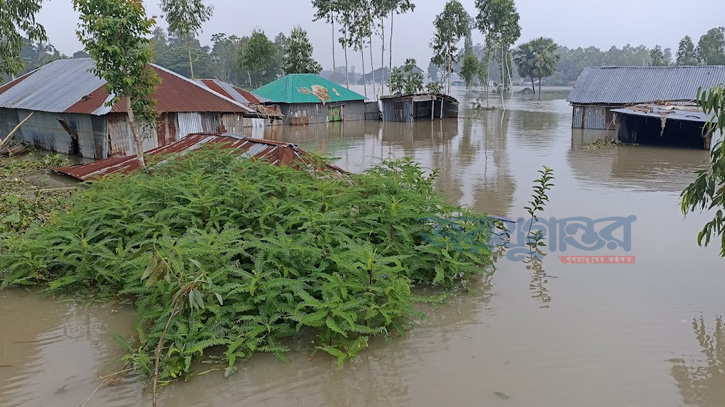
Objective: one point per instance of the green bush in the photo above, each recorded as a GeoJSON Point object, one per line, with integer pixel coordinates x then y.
{"type": "Point", "coordinates": [218, 252]}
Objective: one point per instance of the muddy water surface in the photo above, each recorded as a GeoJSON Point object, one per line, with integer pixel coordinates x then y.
{"type": "Point", "coordinates": [644, 334]}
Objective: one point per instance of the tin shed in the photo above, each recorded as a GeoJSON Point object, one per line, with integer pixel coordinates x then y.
{"type": "Point", "coordinates": [71, 116]}
{"type": "Point", "coordinates": [308, 98]}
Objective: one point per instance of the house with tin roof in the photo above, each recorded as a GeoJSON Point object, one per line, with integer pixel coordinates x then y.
{"type": "Point", "coordinates": [308, 98]}
{"type": "Point", "coordinates": [265, 107]}
{"type": "Point", "coordinates": [71, 115]}
{"type": "Point", "coordinates": [599, 91]}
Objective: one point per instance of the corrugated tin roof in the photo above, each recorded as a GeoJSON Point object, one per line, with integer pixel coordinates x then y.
{"type": "Point", "coordinates": [626, 85]}
{"type": "Point", "coordinates": [68, 86]}
{"type": "Point", "coordinates": [306, 88]}
{"type": "Point", "coordinates": [233, 92]}
{"type": "Point", "coordinates": [666, 112]}
{"type": "Point", "coordinates": [277, 153]}
{"type": "Point", "coordinates": [54, 87]}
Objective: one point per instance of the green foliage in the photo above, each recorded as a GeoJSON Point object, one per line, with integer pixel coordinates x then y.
{"type": "Point", "coordinates": [257, 56]}
{"type": "Point", "coordinates": [20, 206]}
{"type": "Point", "coordinates": [658, 57]}
{"type": "Point", "coordinates": [406, 81]}
{"type": "Point", "coordinates": [114, 34]}
{"type": "Point", "coordinates": [17, 17]}
{"type": "Point", "coordinates": [469, 68]}
{"type": "Point", "coordinates": [534, 239]}
{"type": "Point", "coordinates": [707, 192]}
{"type": "Point", "coordinates": [185, 18]}
{"type": "Point", "coordinates": [298, 54]}
{"type": "Point", "coordinates": [249, 254]}
{"type": "Point", "coordinates": [451, 25]}
{"type": "Point", "coordinates": [536, 59]}
{"type": "Point", "coordinates": [686, 52]}
{"type": "Point", "coordinates": [434, 87]}
{"type": "Point", "coordinates": [711, 47]}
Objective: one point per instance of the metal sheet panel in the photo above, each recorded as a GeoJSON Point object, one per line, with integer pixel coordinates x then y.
{"type": "Point", "coordinates": [54, 87]}
{"type": "Point", "coordinates": [189, 123]}
{"type": "Point", "coordinates": [595, 117]}
{"type": "Point", "coordinates": [627, 85]}
{"type": "Point", "coordinates": [277, 153]}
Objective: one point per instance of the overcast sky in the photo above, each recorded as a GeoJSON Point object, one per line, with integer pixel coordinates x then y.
{"type": "Point", "coordinates": [573, 23]}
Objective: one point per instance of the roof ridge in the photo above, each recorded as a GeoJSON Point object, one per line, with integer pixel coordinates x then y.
{"type": "Point", "coordinates": [202, 86]}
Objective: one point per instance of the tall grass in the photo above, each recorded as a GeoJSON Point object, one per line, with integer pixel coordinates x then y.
{"type": "Point", "coordinates": [217, 252]}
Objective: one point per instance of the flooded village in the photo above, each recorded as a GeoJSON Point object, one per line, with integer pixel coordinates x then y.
{"type": "Point", "coordinates": [317, 219]}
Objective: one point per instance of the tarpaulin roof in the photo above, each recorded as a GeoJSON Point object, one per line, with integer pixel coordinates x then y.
{"type": "Point", "coordinates": [69, 86]}
{"type": "Point", "coordinates": [306, 88]}
{"type": "Point", "coordinates": [633, 84]}
{"type": "Point", "coordinates": [276, 152]}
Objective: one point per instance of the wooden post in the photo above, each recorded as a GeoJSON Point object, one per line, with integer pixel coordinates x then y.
{"type": "Point", "coordinates": [442, 108]}
{"type": "Point", "coordinates": [433, 109]}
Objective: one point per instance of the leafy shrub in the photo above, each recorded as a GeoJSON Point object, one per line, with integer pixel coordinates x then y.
{"type": "Point", "coordinates": [239, 254]}
{"type": "Point", "coordinates": [19, 206]}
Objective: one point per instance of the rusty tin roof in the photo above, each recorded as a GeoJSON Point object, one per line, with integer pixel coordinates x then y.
{"type": "Point", "coordinates": [69, 86]}
{"type": "Point", "coordinates": [276, 152]}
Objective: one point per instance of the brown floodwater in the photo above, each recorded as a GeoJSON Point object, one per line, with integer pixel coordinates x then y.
{"type": "Point", "coordinates": [643, 334]}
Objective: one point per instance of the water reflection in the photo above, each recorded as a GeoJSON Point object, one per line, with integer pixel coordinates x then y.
{"type": "Point", "coordinates": [470, 154]}
{"type": "Point", "coordinates": [53, 353]}
{"type": "Point", "coordinates": [662, 169]}
{"type": "Point", "coordinates": [702, 381]}
{"type": "Point", "coordinates": [382, 375]}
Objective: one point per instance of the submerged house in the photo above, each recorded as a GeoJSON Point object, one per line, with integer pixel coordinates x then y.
{"type": "Point", "coordinates": [308, 98]}
{"type": "Point", "coordinates": [600, 91]}
{"type": "Point", "coordinates": [409, 108]}
{"type": "Point", "coordinates": [70, 114]}
{"type": "Point", "coordinates": [683, 125]}
{"type": "Point", "coordinates": [270, 112]}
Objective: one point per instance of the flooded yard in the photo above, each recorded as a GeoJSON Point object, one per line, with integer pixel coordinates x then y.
{"type": "Point", "coordinates": [642, 334]}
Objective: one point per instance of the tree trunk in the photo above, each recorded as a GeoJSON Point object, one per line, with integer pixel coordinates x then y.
{"type": "Point", "coordinates": [372, 66]}
{"type": "Point", "coordinates": [249, 75]}
{"type": "Point", "coordinates": [347, 69]}
{"type": "Point", "coordinates": [449, 68]}
{"type": "Point", "coordinates": [382, 56]}
{"type": "Point", "coordinates": [488, 71]}
{"type": "Point", "coordinates": [191, 64]}
{"type": "Point", "coordinates": [533, 87]}
{"type": "Point", "coordinates": [539, 88]}
{"type": "Point", "coordinates": [362, 54]}
{"type": "Point", "coordinates": [503, 79]}
{"type": "Point", "coordinates": [136, 134]}
{"type": "Point", "coordinates": [334, 70]}
{"type": "Point", "coordinates": [390, 49]}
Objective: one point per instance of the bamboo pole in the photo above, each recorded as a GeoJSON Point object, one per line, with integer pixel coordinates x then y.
{"type": "Point", "coordinates": [10, 135]}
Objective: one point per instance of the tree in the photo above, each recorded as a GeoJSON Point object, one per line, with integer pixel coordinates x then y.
{"type": "Point", "coordinates": [17, 16]}
{"type": "Point", "coordinates": [408, 80]}
{"type": "Point", "coordinates": [397, 7]}
{"type": "Point", "coordinates": [328, 10]}
{"type": "Point", "coordinates": [707, 192]}
{"type": "Point", "coordinates": [224, 52]}
{"type": "Point", "coordinates": [433, 71]}
{"type": "Point", "coordinates": [686, 52]}
{"type": "Point", "coordinates": [469, 68]}
{"type": "Point", "coordinates": [658, 57]}
{"type": "Point", "coordinates": [536, 59]}
{"type": "Point", "coordinates": [114, 33]}
{"type": "Point", "coordinates": [711, 47]}
{"type": "Point", "coordinates": [256, 55]}
{"type": "Point", "coordinates": [451, 25]}
{"type": "Point", "coordinates": [298, 54]}
{"type": "Point", "coordinates": [498, 20]}
{"type": "Point", "coordinates": [185, 18]}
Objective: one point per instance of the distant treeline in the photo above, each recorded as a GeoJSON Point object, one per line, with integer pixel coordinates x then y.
{"type": "Point", "coordinates": [220, 59]}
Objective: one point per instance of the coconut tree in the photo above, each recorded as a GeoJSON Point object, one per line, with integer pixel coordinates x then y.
{"type": "Point", "coordinates": [536, 59]}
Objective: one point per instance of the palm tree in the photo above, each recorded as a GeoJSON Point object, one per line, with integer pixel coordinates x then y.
{"type": "Point", "coordinates": [537, 59]}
